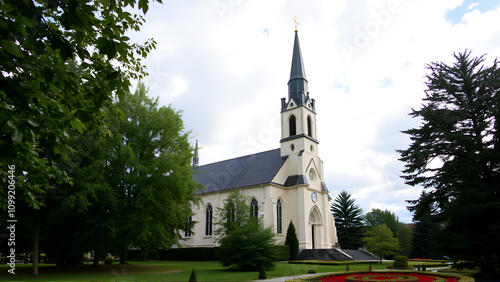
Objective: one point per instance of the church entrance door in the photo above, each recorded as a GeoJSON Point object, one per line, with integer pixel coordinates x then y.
{"type": "Point", "coordinates": [312, 234]}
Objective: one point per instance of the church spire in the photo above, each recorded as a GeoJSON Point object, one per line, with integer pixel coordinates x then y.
{"type": "Point", "coordinates": [297, 85]}
{"type": "Point", "coordinates": [196, 157]}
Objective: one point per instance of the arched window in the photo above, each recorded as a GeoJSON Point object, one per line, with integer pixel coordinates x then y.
{"type": "Point", "coordinates": [187, 231]}
{"type": "Point", "coordinates": [230, 212]}
{"type": "Point", "coordinates": [254, 208]}
{"type": "Point", "coordinates": [208, 221]}
{"type": "Point", "coordinates": [309, 126]}
{"type": "Point", "coordinates": [292, 125]}
{"type": "Point", "coordinates": [279, 217]}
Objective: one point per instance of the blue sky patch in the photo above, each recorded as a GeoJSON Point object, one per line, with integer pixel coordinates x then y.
{"type": "Point", "coordinates": [455, 16]}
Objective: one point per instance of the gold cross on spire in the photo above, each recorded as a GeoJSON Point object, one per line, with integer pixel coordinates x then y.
{"type": "Point", "coordinates": [296, 22]}
{"type": "Point", "coordinates": [197, 135]}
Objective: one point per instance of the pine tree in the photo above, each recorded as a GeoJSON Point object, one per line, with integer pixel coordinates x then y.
{"type": "Point", "coordinates": [348, 220]}
{"type": "Point", "coordinates": [455, 155]}
{"type": "Point", "coordinates": [292, 241]}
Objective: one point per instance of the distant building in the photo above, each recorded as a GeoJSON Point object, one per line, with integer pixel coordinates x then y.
{"type": "Point", "coordinates": [285, 184]}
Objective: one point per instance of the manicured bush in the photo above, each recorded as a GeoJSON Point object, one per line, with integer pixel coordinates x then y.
{"type": "Point", "coordinates": [400, 261]}
{"type": "Point", "coordinates": [282, 252]}
{"type": "Point", "coordinates": [311, 271]}
{"type": "Point", "coordinates": [193, 278]}
{"type": "Point", "coordinates": [262, 272]}
{"type": "Point", "coordinates": [108, 261]}
{"type": "Point", "coordinates": [188, 254]}
{"type": "Point", "coordinates": [292, 241]}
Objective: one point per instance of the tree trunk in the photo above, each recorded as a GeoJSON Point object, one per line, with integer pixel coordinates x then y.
{"type": "Point", "coordinates": [123, 258]}
{"type": "Point", "coordinates": [36, 245]}
{"type": "Point", "coordinates": [96, 259]}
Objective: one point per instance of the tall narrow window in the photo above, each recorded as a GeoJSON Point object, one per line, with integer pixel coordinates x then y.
{"type": "Point", "coordinates": [292, 125]}
{"type": "Point", "coordinates": [187, 231]}
{"type": "Point", "coordinates": [309, 126]}
{"type": "Point", "coordinates": [208, 221]}
{"type": "Point", "coordinates": [279, 217]}
{"type": "Point", "coordinates": [230, 212]}
{"type": "Point", "coordinates": [254, 208]}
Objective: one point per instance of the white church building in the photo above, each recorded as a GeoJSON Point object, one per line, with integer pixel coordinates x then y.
{"type": "Point", "coordinates": [285, 184]}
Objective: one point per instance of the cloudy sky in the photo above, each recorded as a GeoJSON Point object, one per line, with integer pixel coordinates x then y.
{"type": "Point", "coordinates": [226, 64]}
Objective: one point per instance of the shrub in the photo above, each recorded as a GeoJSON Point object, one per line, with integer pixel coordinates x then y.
{"type": "Point", "coordinates": [292, 241]}
{"type": "Point", "coordinates": [282, 252]}
{"type": "Point", "coordinates": [262, 272]}
{"type": "Point", "coordinates": [400, 261]}
{"type": "Point", "coordinates": [108, 261]}
{"type": "Point", "coordinates": [193, 278]}
{"type": "Point", "coordinates": [312, 271]}
{"type": "Point", "coordinates": [248, 247]}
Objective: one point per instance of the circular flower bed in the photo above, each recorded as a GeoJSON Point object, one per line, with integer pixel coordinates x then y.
{"type": "Point", "coordinates": [393, 276]}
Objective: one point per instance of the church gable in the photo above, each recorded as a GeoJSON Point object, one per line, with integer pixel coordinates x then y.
{"type": "Point", "coordinates": [240, 172]}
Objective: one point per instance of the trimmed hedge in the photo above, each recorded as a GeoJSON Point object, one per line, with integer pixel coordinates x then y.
{"type": "Point", "coordinates": [282, 252]}
{"type": "Point", "coordinates": [188, 254]}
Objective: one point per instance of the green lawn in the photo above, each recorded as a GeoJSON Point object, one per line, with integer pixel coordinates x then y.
{"type": "Point", "coordinates": [166, 271]}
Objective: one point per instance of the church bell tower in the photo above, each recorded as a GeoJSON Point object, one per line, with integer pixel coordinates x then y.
{"type": "Point", "coordinates": [298, 112]}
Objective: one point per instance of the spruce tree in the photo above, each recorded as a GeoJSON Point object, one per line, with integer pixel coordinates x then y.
{"type": "Point", "coordinates": [292, 241]}
{"type": "Point", "coordinates": [348, 220]}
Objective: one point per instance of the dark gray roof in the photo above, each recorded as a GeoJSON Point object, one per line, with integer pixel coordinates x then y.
{"type": "Point", "coordinates": [240, 172]}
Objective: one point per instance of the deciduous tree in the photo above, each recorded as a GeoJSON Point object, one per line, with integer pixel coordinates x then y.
{"type": "Point", "coordinates": [380, 240]}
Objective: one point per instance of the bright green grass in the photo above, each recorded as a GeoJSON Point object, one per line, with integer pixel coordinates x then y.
{"type": "Point", "coordinates": [205, 271]}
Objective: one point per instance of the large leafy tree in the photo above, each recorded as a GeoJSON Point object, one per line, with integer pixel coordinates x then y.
{"type": "Point", "coordinates": [245, 243]}
{"type": "Point", "coordinates": [377, 216]}
{"type": "Point", "coordinates": [380, 239]}
{"type": "Point", "coordinates": [61, 62]}
{"type": "Point", "coordinates": [149, 167]}
{"type": "Point", "coordinates": [455, 156]}
{"type": "Point", "coordinates": [348, 220]}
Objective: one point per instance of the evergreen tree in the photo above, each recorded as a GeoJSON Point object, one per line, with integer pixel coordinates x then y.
{"type": "Point", "coordinates": [348, 220]}
{"type": "Point", "coordinates": [292, 241]}
{"type": "Point", "coordinates": [455, 155]}
{"type": "Point", "coordinates": [245, 243]}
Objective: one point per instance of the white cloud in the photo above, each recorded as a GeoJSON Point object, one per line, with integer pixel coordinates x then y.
{"type": "Point", "coordinates": [228, 74]}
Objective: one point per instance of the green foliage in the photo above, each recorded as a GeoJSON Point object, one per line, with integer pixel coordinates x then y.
{"type": "Point", "coordinates": [400, 261]}
{"type": "Point", "coordinates": [348, 221]}
{"type": "Point", "coordinates": [377, 216]}
{"type": "Point", "coordinates": [245, 243]}
{"type": "Point", "coordinates": [192, 277]}
{"type": "Point", "coordinates": [61, 64]}
{"type": "Point", "coordinates": [262, 273]}
{"type": "Point", "coordinates": [134, 189]}
{"type": "Point", "coordinates": [282, 252]}
{"type": "Point", "coordinates": [405, 238]}
{"type": "Point", "coordinates": [455, 155]}
{"type": "Point", "coordinates": [234, 214]}
{"type": "Point", "coordinates": [380, 239]}
{"type": "Point", "coordinates": [292, 241]}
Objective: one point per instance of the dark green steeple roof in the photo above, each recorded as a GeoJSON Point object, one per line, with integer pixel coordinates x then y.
{"type": "Point", "coordinates": [297, 85]}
